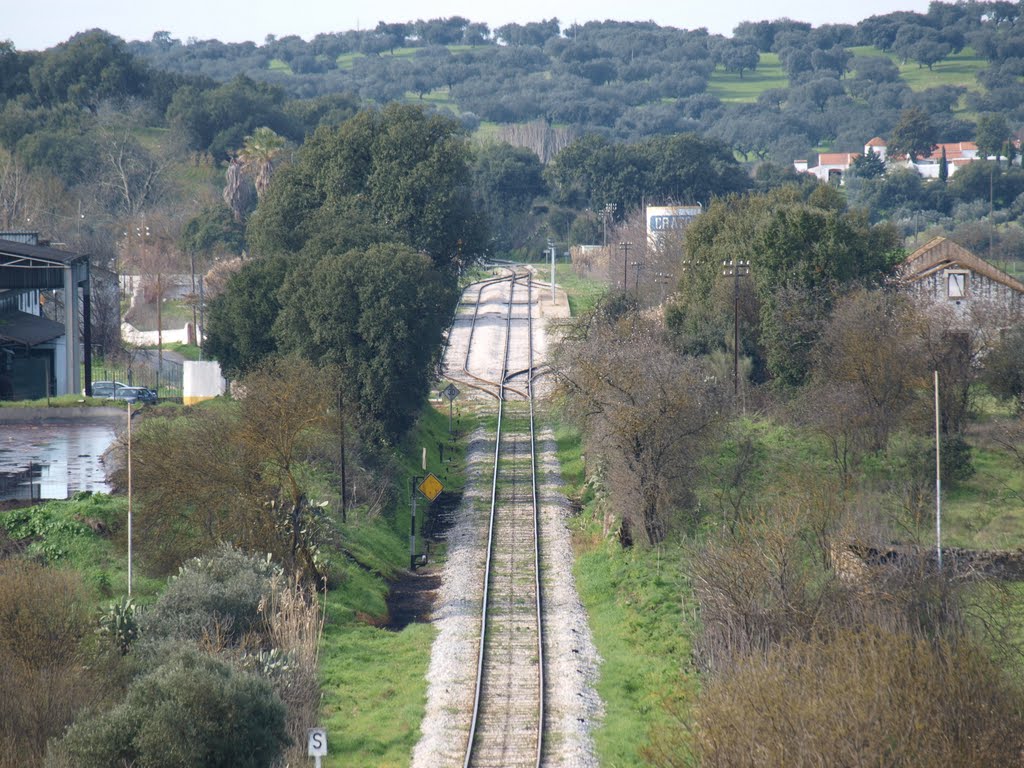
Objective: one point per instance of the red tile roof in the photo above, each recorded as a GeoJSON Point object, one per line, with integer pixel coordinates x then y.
{"type": "Point", "coordinates": [837, 158]}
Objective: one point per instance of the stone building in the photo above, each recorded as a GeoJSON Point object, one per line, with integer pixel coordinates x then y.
{"type": "Point", "coordinates": [942, 271]}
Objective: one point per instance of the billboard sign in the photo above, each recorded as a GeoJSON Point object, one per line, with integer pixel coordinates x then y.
{"type": "Point", "coordinates": [669, 218]}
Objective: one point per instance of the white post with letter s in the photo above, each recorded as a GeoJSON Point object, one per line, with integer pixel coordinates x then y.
{"type": "Point", "coordinates": [316, 741]}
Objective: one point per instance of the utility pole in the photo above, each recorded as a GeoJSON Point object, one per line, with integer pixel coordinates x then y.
{"type": "Point", "coordinates": [193, 298]}
{"type": "Point", "coordinates": [202, 318]}
{"type": "Point", "coordinates": [625, 265]}
{"type": "Point", "coordinates": [938, 478]}
{"type": "Point", "coordinates": [637, 265]}
{"type": "Point", "coordinates": [736, 268]}
{"type": "Point", "coordinates": [607, 211]}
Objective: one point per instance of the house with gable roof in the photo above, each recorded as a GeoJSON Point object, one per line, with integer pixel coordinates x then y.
{"type": "Point", "coordinates": [942, 272]}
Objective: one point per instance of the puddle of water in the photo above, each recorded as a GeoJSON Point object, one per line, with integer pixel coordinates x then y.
{"type": "Point", "coordinates": [53, 460]}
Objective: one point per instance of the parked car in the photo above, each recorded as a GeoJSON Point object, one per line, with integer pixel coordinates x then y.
{"type": "Point", "coordinates": [135, 395]}
{"type": "Point", "coordinates": [106, 388]}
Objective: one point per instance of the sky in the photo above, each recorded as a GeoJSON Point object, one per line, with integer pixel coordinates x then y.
{"type": "Point", "coordinates": [45, 23]}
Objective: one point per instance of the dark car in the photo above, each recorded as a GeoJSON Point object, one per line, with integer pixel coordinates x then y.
{"type": "Point", "coordinates": [106, 388]}
{"type": "Point", "coordinates": [135, 395]}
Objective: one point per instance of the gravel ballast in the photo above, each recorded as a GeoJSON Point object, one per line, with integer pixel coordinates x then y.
{"type": "Point", "coordinates": [573, 708]}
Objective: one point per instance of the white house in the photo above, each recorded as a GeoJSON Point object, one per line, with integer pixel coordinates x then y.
{"type": "Point", "coordinates": [831, 166]}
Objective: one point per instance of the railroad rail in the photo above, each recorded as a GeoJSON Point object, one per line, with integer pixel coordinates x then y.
{"type": "Point", "coordinates": [507, 725]}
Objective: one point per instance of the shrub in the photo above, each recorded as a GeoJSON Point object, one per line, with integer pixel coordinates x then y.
{"type": "Point", "coordinates": [214, 599]}
{"type": "Point", "coordinates": [193, 710]}
{"type": "Point", "coordinates": [791, 572]}
{"type": "Point", "coordinates": [47, 670]}
{"type": "Point", "coordinates": [294, 625]}
{"type": "Point", "coordinates": [868, 697]}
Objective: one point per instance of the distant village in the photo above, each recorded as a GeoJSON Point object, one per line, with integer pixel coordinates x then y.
{"type": "Point", "coordinates": [833, 166]}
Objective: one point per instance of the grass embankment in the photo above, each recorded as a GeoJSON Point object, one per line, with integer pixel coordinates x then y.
{"type": "Point", "coordinates": [374, 680]}
{"type": "Point", "coordinates": [638, 602]}
{"type": "Point", "coordinates": [86, 534]}
{"type": "Point", "coordinates": [986, 511]}
{"type": "Point", "coordinates": [583, 292]}
{"type": "Point", "coordinates": [641, 617]}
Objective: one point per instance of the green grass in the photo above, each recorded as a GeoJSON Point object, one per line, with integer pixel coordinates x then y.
{"type": "Point", "coordinates": [374, 686]}
{"type": "Point", "coordinates": [634, 604]}
{"type": "Point", "coordinates": [439, 97]}
{"type": "Point", "coordinates": [346, 60]}
{"type": "Point", "coordinates": [987, 510]}
{"type": "Point", "coordinates": [63, 401]}
{"type": "Point", "coordinates": [60, 535]}
{"type": "Point", "coordinates": [280, 65]}
{"type": "Point", "coordinates": [174, 314]}
{"type": "Point", "coordinates": [152, 137]}
{"type": "Point", "coordinates": [374, 680]}
{"type": "Point", "coordinates": [957, 69]}
{"type": "Point", "coordinates": [640, 612]}
{"type": "Point", "coordinates": [730, 87]}
{"type": "Point", "coordinates": [188, 351]}
{"type": "Point", "coordinates": [960, 69]}
{"type": "Point", "coordinates": [583, 292]}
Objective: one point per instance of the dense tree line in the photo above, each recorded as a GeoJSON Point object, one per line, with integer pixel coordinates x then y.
{"type": "Point", "coordinates": [608, 75]}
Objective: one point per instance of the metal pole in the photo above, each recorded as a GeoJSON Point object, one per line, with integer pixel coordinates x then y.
{"type": "Point", "coordinates": [192, 266]}
{"type": "Point", "coordinates": [553, 299]}
{"type": "Point", "coordinates": [735, 329]}
{"type": "Point", "coordinates": [938, 478]}
{"type": "Point", "coordinates": [341, 434]}
{"type": "Point", "coordinates": [202, 319]}
{"type": "Point", "coordinates": [129, 499]}
{"type": "Point", "coordinates": [412, 529]}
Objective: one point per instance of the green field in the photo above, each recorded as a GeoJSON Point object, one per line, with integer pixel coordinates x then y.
{"type": "Point", "coordinates": [279, 65]}
{"type": "Point", "coordinates": [959, 69]}
{"type": "Point", "coordinates": [730, 87]}
{"type": "Point", "coordinates": [347, 60]}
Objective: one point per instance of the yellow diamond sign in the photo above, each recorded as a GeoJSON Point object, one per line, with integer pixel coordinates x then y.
{"type": "Point", "coordinates": [431, 487]}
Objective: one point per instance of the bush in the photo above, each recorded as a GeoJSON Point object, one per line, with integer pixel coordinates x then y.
{"type": "Point", "coordinates": [193, 710]}
{"type": "Point", "coordinates": [798, 570]}
{"type": "Point", "coordinates": [1004, 367]}
{"type": "Point", "coordinates": [214, 599]}
{"type": "Point", "coordinates": [861, 698]}
{"type": "Point", "coordinates": [47, 670]}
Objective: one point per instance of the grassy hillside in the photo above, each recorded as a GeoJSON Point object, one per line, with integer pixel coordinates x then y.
{"type": "Point", "coordinates": [730, 87]}
{"type": "Point", "coordinates": [958, 69]}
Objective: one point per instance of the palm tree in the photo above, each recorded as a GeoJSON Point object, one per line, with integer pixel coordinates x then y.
{"type": "Point", "coordinates": [258, 154]}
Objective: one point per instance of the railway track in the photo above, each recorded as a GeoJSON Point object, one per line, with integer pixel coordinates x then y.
{"type": "Point", "coordinates": [507, 726]}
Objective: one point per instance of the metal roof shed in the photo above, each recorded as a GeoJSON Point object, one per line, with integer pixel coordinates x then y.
{"type": "Point", "coordinates": [27, 267]}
